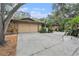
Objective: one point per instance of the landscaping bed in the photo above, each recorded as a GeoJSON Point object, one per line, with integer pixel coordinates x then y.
{"type": "Point", "coordinates": [9, 49]}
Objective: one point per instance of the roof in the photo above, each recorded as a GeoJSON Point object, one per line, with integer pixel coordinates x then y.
{"type": "Point", "coordinates": [26, 20]}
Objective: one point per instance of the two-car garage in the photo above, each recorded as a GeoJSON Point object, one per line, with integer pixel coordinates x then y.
{"type": "Point", "coordinates": [22, 26]}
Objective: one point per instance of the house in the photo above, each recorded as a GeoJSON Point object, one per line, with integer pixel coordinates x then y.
{"type": "Point", "coordinates": [55, 27]}
{"type": "Point", "coordinates": [24, 25]}
{"type": "Point", "coordinates": [78, 26]}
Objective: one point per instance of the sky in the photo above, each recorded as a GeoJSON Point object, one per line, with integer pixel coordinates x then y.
{"type": "Point", "coordinates": [37, 10]}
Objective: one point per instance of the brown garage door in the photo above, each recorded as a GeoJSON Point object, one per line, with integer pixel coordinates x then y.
{"type": "Point", "coordinates": [27, 27]}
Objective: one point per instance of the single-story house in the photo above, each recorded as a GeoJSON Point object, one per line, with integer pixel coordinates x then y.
{"type": "Point", "coordinates": [78, 26]}
{"type": "Point", "coordinates": [55, 27]}
{"type": "Point", "coordinates": [24, 25]}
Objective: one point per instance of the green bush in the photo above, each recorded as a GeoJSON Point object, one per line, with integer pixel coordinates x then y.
{"type": "Point", "coordinates": [50, 30]}
{"type": "Point", "coordinates": [73, 33]}
{"type": "Point", "coordinates": [43, 30]}
{"type": "Point", "coordinates": [72, 26]}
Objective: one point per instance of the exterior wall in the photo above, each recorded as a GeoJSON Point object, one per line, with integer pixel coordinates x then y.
{"type": "Point", "coordinates": [55, 28]}
{"type": "Point", "coordinates": [39, 27]}
{"type": "Point", "coordinates": [77, 26]}
{"type": "Point", "coordinates": [27, 27]}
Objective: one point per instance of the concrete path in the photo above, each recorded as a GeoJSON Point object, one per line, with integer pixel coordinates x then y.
{"type": "Point", "coordinates": [46, 44]}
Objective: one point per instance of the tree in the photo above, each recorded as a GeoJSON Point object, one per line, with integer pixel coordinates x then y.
{"type": "Point", "coordinates": [63, 11]}
{"type": "Point", "coordinates": [4, 21]}
{"type": "Point", "coordinates": [66, 10]}
{"type": "Point", "coordinates": [47, 24]}
{"type": "Point", "coordinates": [73, 22]}
{"type": "Point", "coordinates": [21, 14]}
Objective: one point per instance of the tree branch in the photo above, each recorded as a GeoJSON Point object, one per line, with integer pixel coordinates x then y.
{"type": "Point", "coordinates": [8, 18]}
{"type": "Point", "coordinates": [10, 14]}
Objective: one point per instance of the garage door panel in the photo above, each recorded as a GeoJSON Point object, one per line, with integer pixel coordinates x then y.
{"type": "Point", "coordinates": [23, 27]}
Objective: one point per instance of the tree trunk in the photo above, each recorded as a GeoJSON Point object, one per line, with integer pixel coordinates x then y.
{"type": "Point", "coordinates": [2, 36]}
{"type": "Point", "coordinates": [5, 22]}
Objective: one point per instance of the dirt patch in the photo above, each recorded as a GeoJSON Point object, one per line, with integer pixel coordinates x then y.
{"type": "Point", "coordinates": [9, 49]}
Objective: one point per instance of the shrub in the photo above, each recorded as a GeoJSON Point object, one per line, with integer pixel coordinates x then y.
{"type": "Point", "coordinates": [50, 30]}
{"type": "Point", "coordinates": [71, 26]}
{"type": "Point", "coordinates": [73, 33]}
{"type": "Point", "coordinates": [43, 30]}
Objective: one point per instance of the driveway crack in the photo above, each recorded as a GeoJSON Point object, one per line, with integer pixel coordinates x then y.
{"type": "Point", "coordinates": [44, 49]}
{"type": "Point", "coordinates": [75, 51]}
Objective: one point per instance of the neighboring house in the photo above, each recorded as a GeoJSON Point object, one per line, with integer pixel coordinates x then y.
{"type": "Point", "coordinates": [24, 25]}
{"type": "Point", "coordinates": [78, 26]}
{"type": "Point", "coordinates": [55, 27]}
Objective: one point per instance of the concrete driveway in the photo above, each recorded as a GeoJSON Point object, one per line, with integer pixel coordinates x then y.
{"type": "Point", "coordinates": [46, 44]}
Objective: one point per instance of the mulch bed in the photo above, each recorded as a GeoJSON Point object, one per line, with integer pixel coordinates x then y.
{"type": "Point", "coordinates": [9, 49]}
